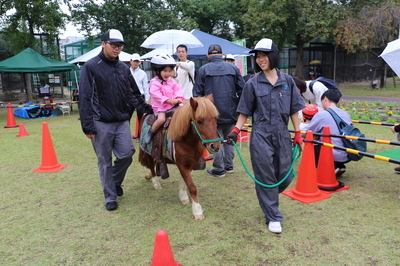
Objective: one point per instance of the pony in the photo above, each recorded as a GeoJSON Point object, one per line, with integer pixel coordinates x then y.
{"type": "Point", "coordinates": [193, 125]}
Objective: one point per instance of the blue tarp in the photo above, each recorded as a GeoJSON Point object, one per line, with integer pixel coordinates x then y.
{"type": "Point", "coordinates": [32, 112]}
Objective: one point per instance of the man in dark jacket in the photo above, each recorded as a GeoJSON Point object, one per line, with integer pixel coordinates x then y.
{"type": "Point", "coordinates": [222, 83]}
{"type": "Point", "coordinates": [108, 96]}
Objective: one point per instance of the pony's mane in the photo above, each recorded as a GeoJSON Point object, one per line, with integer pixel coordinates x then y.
{"type": "Point", "coordinates": [180, 123]}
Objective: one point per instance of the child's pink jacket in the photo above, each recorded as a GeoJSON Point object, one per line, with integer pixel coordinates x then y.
{"type": "Point", "coordinates": [161, 92]}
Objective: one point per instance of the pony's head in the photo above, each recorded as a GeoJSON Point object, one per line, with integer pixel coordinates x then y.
{"type": "Point", "coordinates": [202, 112]}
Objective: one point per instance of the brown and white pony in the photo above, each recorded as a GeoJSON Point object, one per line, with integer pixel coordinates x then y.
{"type": "Point", "coordinates": [193, 126]}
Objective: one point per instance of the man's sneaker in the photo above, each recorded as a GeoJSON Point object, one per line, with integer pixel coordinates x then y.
{"type": "Point", "coordinates": [397, 170]}
{"type": "Point", "coordinates": [112, 205]}
{"type": "Point", "coordinates": [275, 227]}
{"type": "Point", "coordinates": [216, 173]}
{"type": "Point", "coordinates": [120, 191]}
{"type": "Point", "coordinates": [229, 170]}
{"type": "Point", "coordinates": [340, 171]}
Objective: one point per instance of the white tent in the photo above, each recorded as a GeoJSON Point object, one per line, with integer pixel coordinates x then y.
{"type": "Point", "coordinates": [123, 56]}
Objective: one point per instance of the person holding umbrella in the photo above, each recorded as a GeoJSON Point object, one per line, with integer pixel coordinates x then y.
{"type": "Point", "coordinates": [184, 71]}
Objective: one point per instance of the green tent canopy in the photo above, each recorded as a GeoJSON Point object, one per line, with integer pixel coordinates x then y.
{"type": "Point", "coordinates": [30, 61]}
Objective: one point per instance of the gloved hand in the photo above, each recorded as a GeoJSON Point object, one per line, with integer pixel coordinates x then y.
{"type": "Point", "coordinates": [232, 137]}
{"type": "Point", "coordinates": [297, 138]}
{"type": "Point", "coordinates": [149, 109]}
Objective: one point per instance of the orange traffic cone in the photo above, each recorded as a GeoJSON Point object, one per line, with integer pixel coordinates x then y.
{"type": "Point", "coordinates": [10, 117]}
{"type": "Point", "coordinates": [22, 131]}
{"type": "Point", "coordinates": [326, 177]}
{"type": "Point", "coordinates": [49, 158]}
{"type": "Point", "coordinates": [306, 189]}
{"type": "Point", "coordinates": [207, 157]}
{"type": "Point", "coordinates": [162, 254]}
{"type": "Point", "coordinates": [137, 127]}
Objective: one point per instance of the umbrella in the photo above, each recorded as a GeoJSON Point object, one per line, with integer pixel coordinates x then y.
{"type": "Point", "coordinates": [391, 55]}
{"type": "Point", "coordinates": [313, 62]}
{"type": "Point", "coordinates": [170, 39]}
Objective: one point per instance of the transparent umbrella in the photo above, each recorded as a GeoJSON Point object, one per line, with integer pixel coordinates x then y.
{"type": "Point", "coordinates": [170, 39]}
{"type": "Point", "coordinates": [391, 55]}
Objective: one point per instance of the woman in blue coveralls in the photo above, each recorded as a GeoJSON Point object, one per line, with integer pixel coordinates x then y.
{"type": "Point", "coordinates": [271, 98]}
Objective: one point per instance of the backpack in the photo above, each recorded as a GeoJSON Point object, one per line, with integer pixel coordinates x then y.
{"type": "Point", "coordinates": [330, 84]}
{"type": "Point", "coordinates": [350, 130]}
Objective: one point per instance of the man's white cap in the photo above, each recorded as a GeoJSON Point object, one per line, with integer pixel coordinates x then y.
{"type": "Point", "coordinates": [135, 57]}
{"type": "Point", "coordinates": [229, 57]}
{"type": "Point", "coordinates": [265, 45]}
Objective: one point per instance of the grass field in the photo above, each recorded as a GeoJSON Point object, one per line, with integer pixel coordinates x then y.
{"type": "Point", "coordinates": [364, 89]}
{"type": "Point", "coordinates": [59, 218]}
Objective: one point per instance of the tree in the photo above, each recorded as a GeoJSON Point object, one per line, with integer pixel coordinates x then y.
{"type": "Point", "coordinates": [33, 18]}
{"type": "Point", "coordinates": [136, 19]}
{"type": "Point", "coordinates": [295, 22]}
{"type": "Point", "coordinates": [217, 17]}
{"type": "Point", "coordinates": [368, 26]}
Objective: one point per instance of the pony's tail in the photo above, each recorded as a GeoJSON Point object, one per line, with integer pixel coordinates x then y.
{"type": "Point", "coordinates": [145, 159]}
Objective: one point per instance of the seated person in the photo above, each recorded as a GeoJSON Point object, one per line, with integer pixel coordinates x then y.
{"type": "Point", "coordinates": [330, 99]}
{"type": "Point", "coordinates": [164, 91]}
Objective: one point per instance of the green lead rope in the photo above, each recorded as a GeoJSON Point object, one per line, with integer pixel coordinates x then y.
{"type": "Point", "coordinates": [296, 153]}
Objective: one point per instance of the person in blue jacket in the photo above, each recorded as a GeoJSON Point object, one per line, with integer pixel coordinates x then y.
{"type": "Point", "coordinates": [108, 96]}
{"type": "Point", "coordinates": [222, 83]}
{"type": "Point", "coordinates": [271, 98]}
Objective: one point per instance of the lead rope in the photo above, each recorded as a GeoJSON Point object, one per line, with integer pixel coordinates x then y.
{"type": "Point", "coordinates": [296, 153]}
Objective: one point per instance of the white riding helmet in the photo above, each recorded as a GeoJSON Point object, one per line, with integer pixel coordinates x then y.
{"type": "Point", "coordinates": [162, 60]}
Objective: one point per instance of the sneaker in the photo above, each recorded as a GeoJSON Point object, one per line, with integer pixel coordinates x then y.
{"type": "Point", "coordinates": [112, 205]}
{"type": "Point", "coordinates": [120, 191]}
{"type": "Point", "coordinates": [397, 170]}
{"type": "Point", "coordinates": [275, 227]}
{"type": "Point", "coordinates": [229, 170]}
{"type": "Point", "coordinates": [215, 173]}
{"type": "Point", "coordinates": [340, 171]}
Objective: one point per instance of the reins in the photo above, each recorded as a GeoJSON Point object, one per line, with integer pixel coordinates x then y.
{"type": "Point", "coordinates": [203, 141]}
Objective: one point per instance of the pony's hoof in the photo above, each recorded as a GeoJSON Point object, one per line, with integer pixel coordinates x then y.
{"type": "Point", "coordinates": [148, 176]}
{"type": "Point", "coordinates": [186, 201]}
{"type": "Point", "coordinates": [156, 183]}
{"type": "Point", "coordinates": [199, 217]}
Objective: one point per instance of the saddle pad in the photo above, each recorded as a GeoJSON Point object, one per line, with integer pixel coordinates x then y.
{"type": "Point", "coordinates": [168, 146]}
{"type": "Point", "coordinates": [145, 129]}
